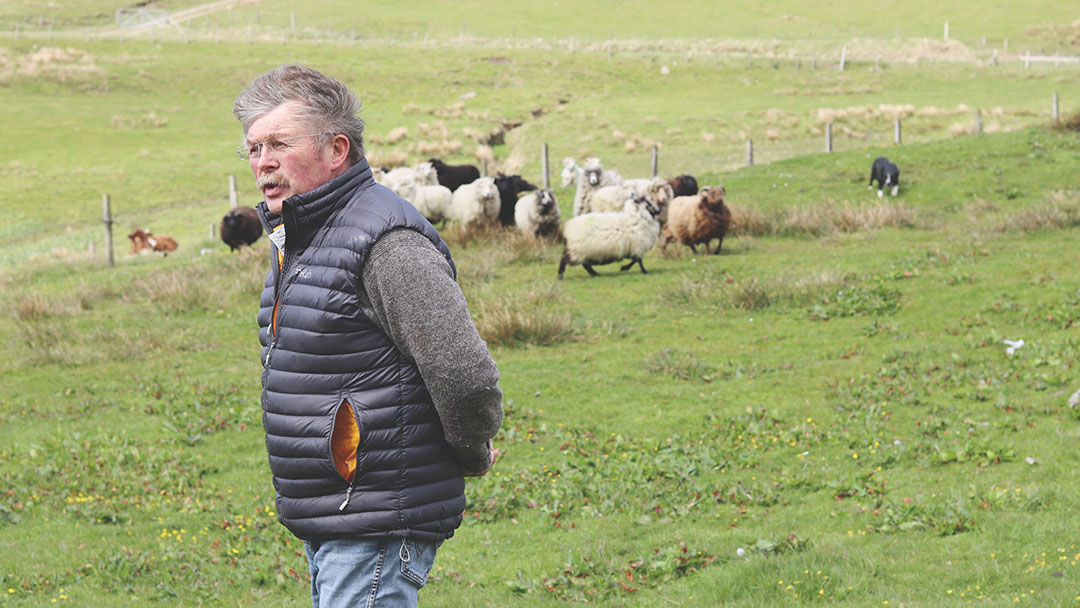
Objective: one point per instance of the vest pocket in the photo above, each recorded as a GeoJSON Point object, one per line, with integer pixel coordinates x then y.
{"type": "Point", "coordinates": [344, 441]}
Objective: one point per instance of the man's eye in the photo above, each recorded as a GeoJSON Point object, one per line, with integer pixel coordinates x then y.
{"type": "Point", "coordinates": [254, 149]}
{"type": "Point", "coordinates": [277, 146]}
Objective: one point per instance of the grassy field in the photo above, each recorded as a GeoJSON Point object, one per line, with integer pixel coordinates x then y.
{"type": "Point", "coordinates": [823, 414]}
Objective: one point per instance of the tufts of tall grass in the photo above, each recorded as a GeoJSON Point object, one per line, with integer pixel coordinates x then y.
{"type": "Point", "coordinates": [1056, 215]}
{"type": "Point", "coordinates": [818, 221]}
{"type": "Point", "coordinates": [705, 291]}
{"type": "Point", "coordinates": [538, 316]}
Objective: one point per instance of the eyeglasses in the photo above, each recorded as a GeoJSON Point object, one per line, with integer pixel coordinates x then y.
{"type": "Point", "coordinates": [280, 144]}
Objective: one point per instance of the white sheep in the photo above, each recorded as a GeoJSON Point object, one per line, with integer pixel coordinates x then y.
{"type": "Point", "coordinates": [602, 238]}
{"type": "Point", "coordinates": [589, 177]}
{"type": "Point", "coordinates": [476, 204]}
{"type": "Point", "coordinates": [405, 180]}
{"type": "Point", "coordinates": [612, 198]}
{"type": "Point", "coordinates": [433, 202]}
{"type": "Point", "coordinates": [570, 171]}
{"type": "Point", "coordinates": [537, 214]}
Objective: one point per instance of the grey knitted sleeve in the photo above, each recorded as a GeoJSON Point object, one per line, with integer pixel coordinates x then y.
{"type": "Point", "coordinates": [412, 296]}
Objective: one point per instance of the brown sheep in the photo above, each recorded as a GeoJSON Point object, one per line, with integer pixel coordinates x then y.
{"type": "Point", "coordinates": [698, 219]}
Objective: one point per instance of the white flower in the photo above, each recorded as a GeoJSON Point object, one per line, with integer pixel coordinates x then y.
{"type": "Point", "coordinates": [1013, 345]}
{"type": "Point", "coordinates": [1029, 460]}
{"type": "Point", "coordinates": [740, 552]}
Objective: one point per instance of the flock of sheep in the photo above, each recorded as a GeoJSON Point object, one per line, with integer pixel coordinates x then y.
{"type": "Point", "coordinates": [614, 218]}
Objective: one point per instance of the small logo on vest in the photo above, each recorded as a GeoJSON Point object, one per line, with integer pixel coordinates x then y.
{"type": "Point", "coordinates": [303, 273]}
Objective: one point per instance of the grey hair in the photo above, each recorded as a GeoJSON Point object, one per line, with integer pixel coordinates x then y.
{"type": "Point", "coordinates": [326, 104]}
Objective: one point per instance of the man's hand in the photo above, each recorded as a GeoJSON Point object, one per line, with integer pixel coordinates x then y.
{"type": "Point", "coordinates": [494, 456]}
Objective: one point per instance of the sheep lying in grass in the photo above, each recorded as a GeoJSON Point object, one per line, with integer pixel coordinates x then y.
{"type": "Point", "coordinates": [537, 214]}
{"type": "Point", "coordinates": [594, 239]}
{"type": "Point", "coordinates": [433, 202]}
{"type": "Point", "coordinates": [698, 219]}
{"type": "Point", "coordinates": [475, 205]}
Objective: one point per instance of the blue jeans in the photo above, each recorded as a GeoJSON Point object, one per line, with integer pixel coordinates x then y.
{"type": "Point", "coordinates": [385, 573]}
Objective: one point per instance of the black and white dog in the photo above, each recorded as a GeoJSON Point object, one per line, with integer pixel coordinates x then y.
{"type": "Point", "coordinates": [886, 174]}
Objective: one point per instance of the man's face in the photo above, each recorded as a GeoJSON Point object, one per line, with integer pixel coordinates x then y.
{"type": "Point", "coordinates": [302, 166]}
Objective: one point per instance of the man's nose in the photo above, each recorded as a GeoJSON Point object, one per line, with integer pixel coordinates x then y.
{"type": "Point", "coordinates": [264, 163]}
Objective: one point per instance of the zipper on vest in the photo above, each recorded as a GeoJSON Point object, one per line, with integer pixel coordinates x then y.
{"type": "Point", "coordinates": [348, 496]}
{"type": "Point", "coordinates": [278, 286]}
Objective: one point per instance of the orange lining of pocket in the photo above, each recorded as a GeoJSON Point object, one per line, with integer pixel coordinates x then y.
{"type": "Point", "coordinates": [345, 441]}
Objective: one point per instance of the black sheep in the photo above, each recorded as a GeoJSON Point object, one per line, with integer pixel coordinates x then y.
{"type": "Point", "coordinates": [684, 185]}
{"type": "Point", "coordinates": [885, 174]}
{"type": "Point", "coordinates": [454, 176]}
{"type": "Point", "coordinates": [510, 186]}
{"type": "Point", "coordinates": [240, 226]}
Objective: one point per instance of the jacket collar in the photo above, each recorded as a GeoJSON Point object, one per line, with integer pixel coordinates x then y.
{"type": "Point", "coordinates": [304, 213]}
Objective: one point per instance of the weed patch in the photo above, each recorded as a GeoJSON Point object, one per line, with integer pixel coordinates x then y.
{"type": "Point", "coordinates": [856, 300]}
{"type": "Point", "coordinates": [590, 579]}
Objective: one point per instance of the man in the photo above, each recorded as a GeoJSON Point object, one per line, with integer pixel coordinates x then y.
{"type": "Point", "coordinates": [378, 394]}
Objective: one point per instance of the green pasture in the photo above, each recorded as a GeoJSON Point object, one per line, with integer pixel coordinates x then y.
{"type": "Point", "coordinates": [825, 413]}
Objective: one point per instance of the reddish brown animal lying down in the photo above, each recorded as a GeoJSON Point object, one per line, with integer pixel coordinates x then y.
{"type": "Point", "coordinates": [145, 242]}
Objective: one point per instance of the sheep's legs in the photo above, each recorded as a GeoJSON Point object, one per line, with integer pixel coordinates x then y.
{"type": "Point", "coordinates": [718, 245]}
{"type": "Point", "coordinates": [562, 265]}
{"type": "Point", "coordinates": [590, 270]}
{"type": "Point", "coordinates": [631, 265]}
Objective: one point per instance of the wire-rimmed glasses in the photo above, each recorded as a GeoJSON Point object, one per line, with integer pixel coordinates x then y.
{"type": "Point", "coordinates": [274, 144]}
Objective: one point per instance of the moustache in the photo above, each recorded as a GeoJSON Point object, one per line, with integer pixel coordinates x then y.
{"type": "Point", "coordinates": [271, 180]}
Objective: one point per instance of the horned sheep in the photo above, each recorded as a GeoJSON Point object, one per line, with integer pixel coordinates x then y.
{"type": "Point", "coordinates": [698, 219]}
{"type": "Point", "coordinates": [602, 238]}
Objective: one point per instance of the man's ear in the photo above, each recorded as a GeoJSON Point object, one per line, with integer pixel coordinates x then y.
{"type": "Point", "coordinates": [339, 151]}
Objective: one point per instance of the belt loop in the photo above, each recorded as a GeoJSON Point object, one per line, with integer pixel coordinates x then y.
{"type": "Point", "coordinates": [403, 552]}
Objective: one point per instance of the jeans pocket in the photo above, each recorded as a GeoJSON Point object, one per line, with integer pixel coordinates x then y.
{"type": "Point", "coordinates": [417, 558]}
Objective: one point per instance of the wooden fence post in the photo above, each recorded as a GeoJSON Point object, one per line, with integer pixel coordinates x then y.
{"type": "Point", "coordinates": [107, 219]}
{"type": "Point", "coordinates": [232, 192]}
{"type": "Point", "coordinates": [1056, 115]}
{"type": "Point", "coordinates": [749, 152]}
{"type": "Point", "coordinates": [545, 167]}
{"type": "Point", "coordinates": [896, 134]}
{"type": "Point", "coordinates": [292, 19]}
{"type": "Point", "coordinates": [978, 120]}
{"type": "Point", "coordinates": [654, 161]}
{"type": "Point", "coordinates": [843, 58]}
{"type": "Point", "coordinates": [483, 168]}
{"type": "Point", "coordinates": [1027, 60]}
{"type": "Point", "coordinates": [946, 30]}
{"type": "Point", "coordinates": [828, 137]}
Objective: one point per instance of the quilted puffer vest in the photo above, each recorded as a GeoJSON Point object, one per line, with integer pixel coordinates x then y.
{"type": "Point", "coordinates": [320, 352]}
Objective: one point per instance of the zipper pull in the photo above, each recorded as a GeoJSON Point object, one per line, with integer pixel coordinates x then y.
{"type": "Point", "coordinates": [348, 496]}
{"type": "Point", "coordinates": [269, 349]}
